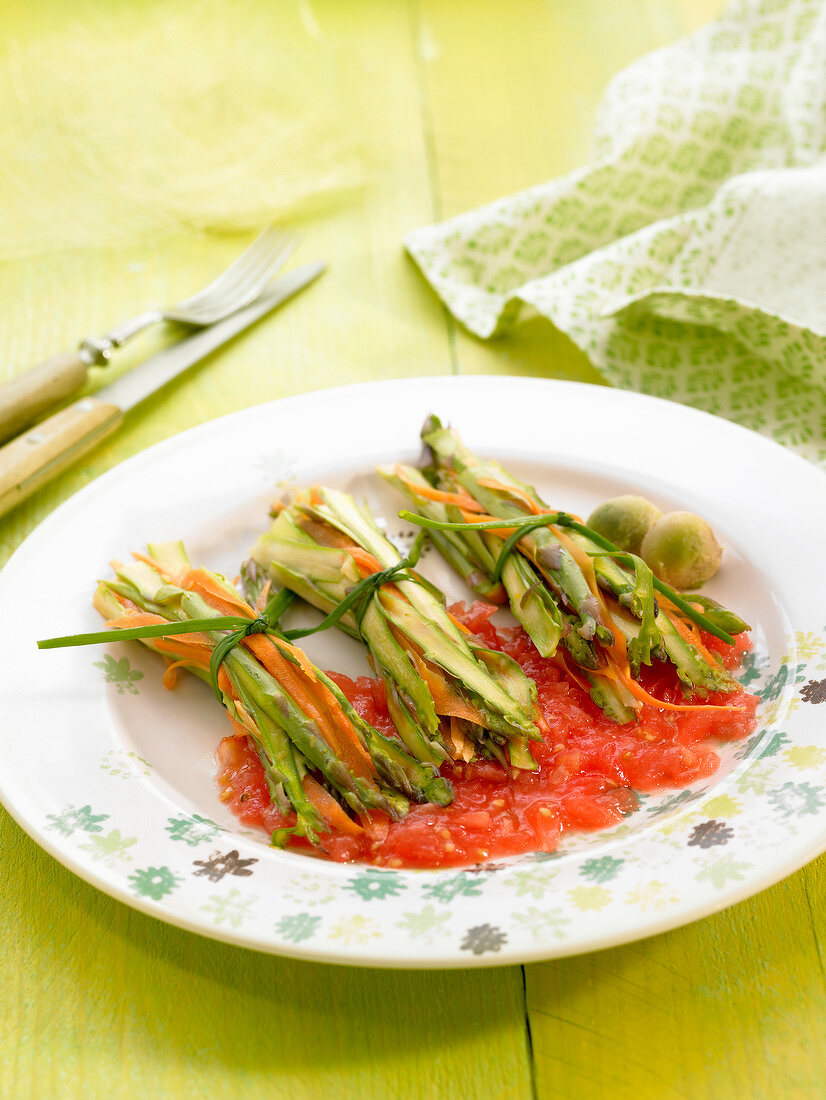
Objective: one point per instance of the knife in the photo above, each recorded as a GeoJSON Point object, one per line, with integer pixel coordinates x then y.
{"type": "Point", "coordinates": [38, 455]}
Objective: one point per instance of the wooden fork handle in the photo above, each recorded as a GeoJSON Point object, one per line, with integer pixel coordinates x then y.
{"type": "Point", "coordinates": [51, 446]}
{"type": "Point", "coordinates": [34, 391]}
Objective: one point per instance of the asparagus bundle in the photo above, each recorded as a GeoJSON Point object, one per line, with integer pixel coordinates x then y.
{"type": "Point", "coordinates": [448, 695]}
{"type": "Point", "coordinates": [319, 755]}
{"type": "Point", "coordinates": [565, 583]}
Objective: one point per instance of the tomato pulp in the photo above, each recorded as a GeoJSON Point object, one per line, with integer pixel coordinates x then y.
{"type": "Point", "coordinates": [588, 766]}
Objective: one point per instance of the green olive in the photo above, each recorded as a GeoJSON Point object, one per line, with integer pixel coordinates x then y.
{"type": "Point", "coordinates": [624, 521]}
{"type": "Point", "coordinates": [680, 549]}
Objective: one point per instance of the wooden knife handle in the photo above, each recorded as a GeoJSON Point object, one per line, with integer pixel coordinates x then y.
{"type": "Point", "coordinates": [51, 446]}
{"type": "Point", "coordinates": [25, 397]}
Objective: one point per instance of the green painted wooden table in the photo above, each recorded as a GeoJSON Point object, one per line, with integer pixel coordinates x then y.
{"type": "Point", "coordinates": [444, 105]}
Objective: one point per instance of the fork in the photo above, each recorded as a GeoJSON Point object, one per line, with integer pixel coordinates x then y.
{"type": "Point", "coordinates": [28, 395]}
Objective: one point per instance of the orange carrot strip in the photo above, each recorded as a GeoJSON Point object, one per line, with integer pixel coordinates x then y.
{"type": "Point", "coordinates": [164, 570]}
{"type": "Point", "coordinates": [239, 729]}
{"type": "Point", "coordinates": [264, 594]}
{"type": "Point", "coordinates": [519, 494]}
{"type": "Point", "coordinates": [136, 618]}
{"type": "Point", "coordinates": [225, 684]}
{"type": "Point", "coordinates": [368, 565]}
{"type": "Point", "coordinates": [445, 699]}
{"type": "Point", "coordinates": [511, 491]}
{"type": "Point", "coordinates": [483, 517]}
{"type": "Point", "coordinates": [688, 632]}
{"type": "Point", "coordinates": [329, 808]}
{"type": "Point", "coordinates": [365, 561]}
{"type": "Point", "coordinates": [459, 624]}
{"type": "Point", "coordinates": [570, 667]}
{"type": "Point", "coordinates": [205, 585]}
{"type": "Point", "coordinates": [316, 701]}
{"type": "Point", "coordinates": [170, 676]}
{"type": "Point", "coordinates": [640, 693]}
{"type": "Point", "coordinates": [288, 676]}
{"type": "Point", "coordinates": [195, 647]}
{"type": "Point", "coordinates": [187, 651]}
{"type": "Point", "coordinates": [617, 653]}
{"type": "Point", "coordinates": [585, 563]}
{"type": "Point", "coordinates": [619, 649]}
{"type": "Point", "coordinates": [332, 708]}
{"type": "Point", "coordinates": [461, 500]}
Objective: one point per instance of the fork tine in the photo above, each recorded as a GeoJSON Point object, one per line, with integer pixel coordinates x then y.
{"type": "Point", "coordinates": [244, 284]}
{"type": "Point", "coordinates": [247, 256]}
{"type": "Point", "coordinates": [260, 249]}
{"type": "Point", "coordinates": [241, 295]}
{"type": "Point", "coordinates": [243, 291]}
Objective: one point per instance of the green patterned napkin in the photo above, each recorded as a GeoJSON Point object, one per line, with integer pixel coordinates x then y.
{"type": "Point", "coordinates": [689, 259]}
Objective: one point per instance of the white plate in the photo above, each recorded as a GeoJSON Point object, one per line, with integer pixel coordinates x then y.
{"type": "Point", "coordinates": [114, 776]}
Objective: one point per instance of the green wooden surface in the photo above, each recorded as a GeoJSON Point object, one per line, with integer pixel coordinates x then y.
{"type": "Point", "coordinates": [451, 103]}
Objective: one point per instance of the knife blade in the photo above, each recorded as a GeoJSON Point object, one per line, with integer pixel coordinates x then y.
{"type": "Point", "coordinates": [47, 449]}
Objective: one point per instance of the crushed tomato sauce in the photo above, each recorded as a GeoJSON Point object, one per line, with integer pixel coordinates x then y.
{"type": "Point", "coordinates": [589, 767]}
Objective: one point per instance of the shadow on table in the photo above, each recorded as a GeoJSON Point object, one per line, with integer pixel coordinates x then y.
{"type": "Point", "coordinates": [533, 348]}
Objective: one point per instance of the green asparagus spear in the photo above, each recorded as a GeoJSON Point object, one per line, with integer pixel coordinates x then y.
{"type": "Point", "coordinates": [413, 642]}
{"type": "Point", "coordinates": [296, 738]}
{"type": "Point", "coordinates": [545, 573]}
